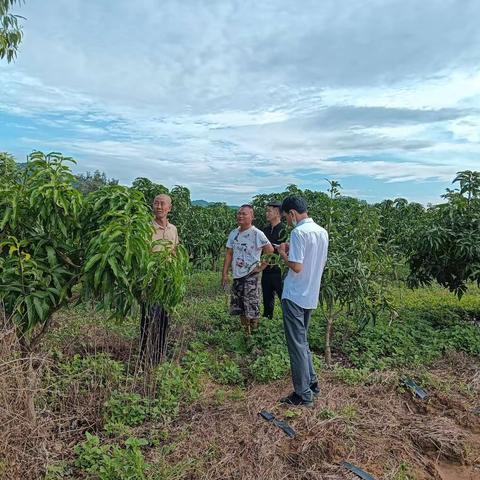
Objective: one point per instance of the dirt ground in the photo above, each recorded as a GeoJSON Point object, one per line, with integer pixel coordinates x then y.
{"type": "Point", "coordinates": [376, 425]}
{"type": "Point", "coordinates": [379, 427]}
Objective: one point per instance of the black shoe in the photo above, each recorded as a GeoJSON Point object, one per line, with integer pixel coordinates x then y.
{"type": "Point", "coordinates": [294, 399]}
{"type": "Point", "coordinates": [315, 389]}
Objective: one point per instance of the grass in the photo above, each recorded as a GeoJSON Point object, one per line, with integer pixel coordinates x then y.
{"type": "Point", "coordinates": [91, 379]}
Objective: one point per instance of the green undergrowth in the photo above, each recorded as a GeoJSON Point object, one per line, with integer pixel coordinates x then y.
{"type": "Point", "coordinates": [214, 353]}
{"type": "Point", "coordinates": [429, 323]}
{"type": "Point", "coordinates": [173, 385]}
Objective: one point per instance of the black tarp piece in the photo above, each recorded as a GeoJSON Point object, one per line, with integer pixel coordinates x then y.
{"type": "Point", "coordinates": [357, 471]}
{"type": "Point", "coordinates": [270, 417]}
{"type": "Point", "coordinates": [415, 388]}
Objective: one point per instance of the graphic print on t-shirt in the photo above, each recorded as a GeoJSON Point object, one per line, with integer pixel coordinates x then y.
{"type": "Point", "coordinates": [247, 249]}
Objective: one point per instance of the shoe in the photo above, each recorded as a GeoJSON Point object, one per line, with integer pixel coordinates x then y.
{"type": "Point", "coordinates": [297, 400]}
{"type": "Point", "coordinates": [315, 389]}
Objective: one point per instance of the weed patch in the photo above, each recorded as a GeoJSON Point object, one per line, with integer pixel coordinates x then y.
{"type": "Point", "coordinates": [112, 461]}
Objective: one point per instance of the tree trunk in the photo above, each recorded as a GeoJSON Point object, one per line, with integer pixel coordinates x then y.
{"type": "Point", "coordinates": [153, 335]}
{"type": "Point", "coordinates": [328, 336]}
{"type": "Point", "coordinates": [30, 387]}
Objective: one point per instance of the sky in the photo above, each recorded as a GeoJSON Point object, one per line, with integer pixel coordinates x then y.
{"type": "Point", "coordinates": [233, 98]}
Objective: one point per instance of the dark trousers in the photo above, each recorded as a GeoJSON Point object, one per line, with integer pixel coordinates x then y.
{"type": "Point", "coordinates": [271, 283]}
{"type": "Point", "coordinates": [295, 321]}
{"type": "Point", "coordinates": [153, 334]}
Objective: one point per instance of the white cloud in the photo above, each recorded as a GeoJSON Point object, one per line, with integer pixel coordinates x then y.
{"type": "Point", "coordinates": [446, 89]}
{"type": "Point", "coordinates": [211, 94]}
{"type": "Point", "coordinates": [467, 129]}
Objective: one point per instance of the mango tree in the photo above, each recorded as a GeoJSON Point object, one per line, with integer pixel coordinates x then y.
{"type": "Point", "coordinates": [206, 233]}
{"type": "Point", "coordinates": [399, 221]}
{"type": "Point", "coordinates": [353, 282]}
{"type": "Point", "coordinates": [149, 189]}
{"type": "Point", "coordinates": [57, 245]}
{"type": "Point", "coordinates": [447, 243]}
{"type": "Point", "coordinates": [11, 33]}
{"type": "Point", "coordinates": [90, 182]}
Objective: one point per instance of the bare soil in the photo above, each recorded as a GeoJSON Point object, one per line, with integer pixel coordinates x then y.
{"type": "Point", "coordinates": [377, 427]}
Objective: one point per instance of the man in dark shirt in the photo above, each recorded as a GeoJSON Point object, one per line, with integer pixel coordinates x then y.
{"type": "Point", "coordinates": [272, 276]}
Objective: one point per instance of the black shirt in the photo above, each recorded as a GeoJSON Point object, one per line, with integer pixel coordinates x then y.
{"type": "Point", "coordinates": [275, 236]}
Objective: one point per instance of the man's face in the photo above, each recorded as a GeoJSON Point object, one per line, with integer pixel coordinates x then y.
{"type": "Point", "coordinates": [161, 206]}
{"type": "Point", "coordinates": [272, 213]}
{"type": "Point", "coordinates": [289, 217]}
{"type": "Point", "coordinates": [244, 217]}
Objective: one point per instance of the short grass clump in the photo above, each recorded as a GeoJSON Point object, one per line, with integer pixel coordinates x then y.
{"type": "Point", "coordinates": [112, 461]}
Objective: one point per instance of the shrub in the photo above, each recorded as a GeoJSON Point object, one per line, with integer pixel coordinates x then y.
{"type": "Point", "coordinates": [125, 409]}
{"type": "Point", "coordinates": [80, 375]}
{"type": "Point", "coordinates": [352, 376]}
{"type": "Point", "coordinates": [271, 366]}
{"type": "Point", "coordinates": [463, 337]}
{"type": "Point", "coordinates": [175, 383]}
{"type": "Point", "coordinates": [100, 369]}
{"type": "Point", "coordinates": [227, 372]}
{"type": "Point", "coordinates": [111, 461]}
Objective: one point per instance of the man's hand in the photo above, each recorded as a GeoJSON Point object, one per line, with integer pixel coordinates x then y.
{"type": "Point", "coordinates": [224, 282]}
{"type": "Point", "coordinates": [259, 268]}
{"type": "Point", "coordinates": [283, 249]}
{"type": "Point", "coordinates": [283, 252]}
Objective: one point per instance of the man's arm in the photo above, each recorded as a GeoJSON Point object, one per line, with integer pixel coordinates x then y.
{"type": "Point", "coordinates": [268, 248]}
{"type": "Point", "coordinates": [263, 265]}
{"type": "Point", "coordinates": [282, 251]}
{"type": "Point", "coordinates": [226, 266]}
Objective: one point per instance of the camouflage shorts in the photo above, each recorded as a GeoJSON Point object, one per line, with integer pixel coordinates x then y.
{"type": "Point", "coordinates": [245, 298]}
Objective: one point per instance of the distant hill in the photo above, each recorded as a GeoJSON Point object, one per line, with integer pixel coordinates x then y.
{"type": "Point", "coordinates": [201, 203]}
{"type": "Point", "coordinates": [204, 203]}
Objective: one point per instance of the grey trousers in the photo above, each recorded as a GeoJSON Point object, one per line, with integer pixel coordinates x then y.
{"type": "Point", "coordinates": [295, 322]}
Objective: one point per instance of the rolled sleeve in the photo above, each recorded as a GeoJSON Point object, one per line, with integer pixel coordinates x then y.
{"type": "Point", "coordinates": [230, 240]}
{"type": "Point", "coordinates": [261, 240]}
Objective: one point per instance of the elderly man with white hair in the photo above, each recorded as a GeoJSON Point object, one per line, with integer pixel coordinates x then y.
{"type": "Point", "coordinates": [155, 320]}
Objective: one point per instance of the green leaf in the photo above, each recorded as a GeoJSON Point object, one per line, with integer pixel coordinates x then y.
{"type": "Point", "coordinates": [92, 261]}
{"type": "Point", "coordinates": [39, 308]}
{"type": "Point", "coordinates": [52, 258]}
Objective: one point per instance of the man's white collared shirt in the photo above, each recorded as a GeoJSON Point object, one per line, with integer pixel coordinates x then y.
{"type": "Point", "coordinates": [308, 246]}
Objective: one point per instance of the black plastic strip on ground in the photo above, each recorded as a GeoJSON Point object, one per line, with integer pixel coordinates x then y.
{"type": "Point", "coordinates": [419, 391]}
{"type": "Point", "coordinates": [357, 471]}
{"type": "Point", "coordinates": [270, 417]}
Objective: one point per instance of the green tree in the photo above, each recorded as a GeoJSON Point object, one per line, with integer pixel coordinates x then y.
{"type": "Point", "coordinates": [90, 182]}
{"type": "Point", "coordinates": [205, 233]}
{"type": "Point", "coordinates": [447, 243]}
{"type": "Point", "coordinates": [398, 221]}
{"type": "Point", "coordinates": [53, 239]}
{"type": "Point", "coordinates": [10, 30]}
{"type": "Point", "coordinates": [181, 209]}
{"type": "Point", "coordinates": [353, 282]}
{"type": "Point", "coordinates": [8, 168]}
{"type": "Point", "coordinates": [149, 189]}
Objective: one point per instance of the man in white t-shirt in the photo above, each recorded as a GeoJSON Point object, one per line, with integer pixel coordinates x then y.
{"type": "Point", "coordinates": [245, 245]}
{"type": "Point", "coordinates": [305, 255]}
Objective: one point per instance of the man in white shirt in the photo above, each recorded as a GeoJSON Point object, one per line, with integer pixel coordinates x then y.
{"type": "Point", "coordinates": [305, 255]}
{"type": "Point", "coordinates": [244, 248]}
